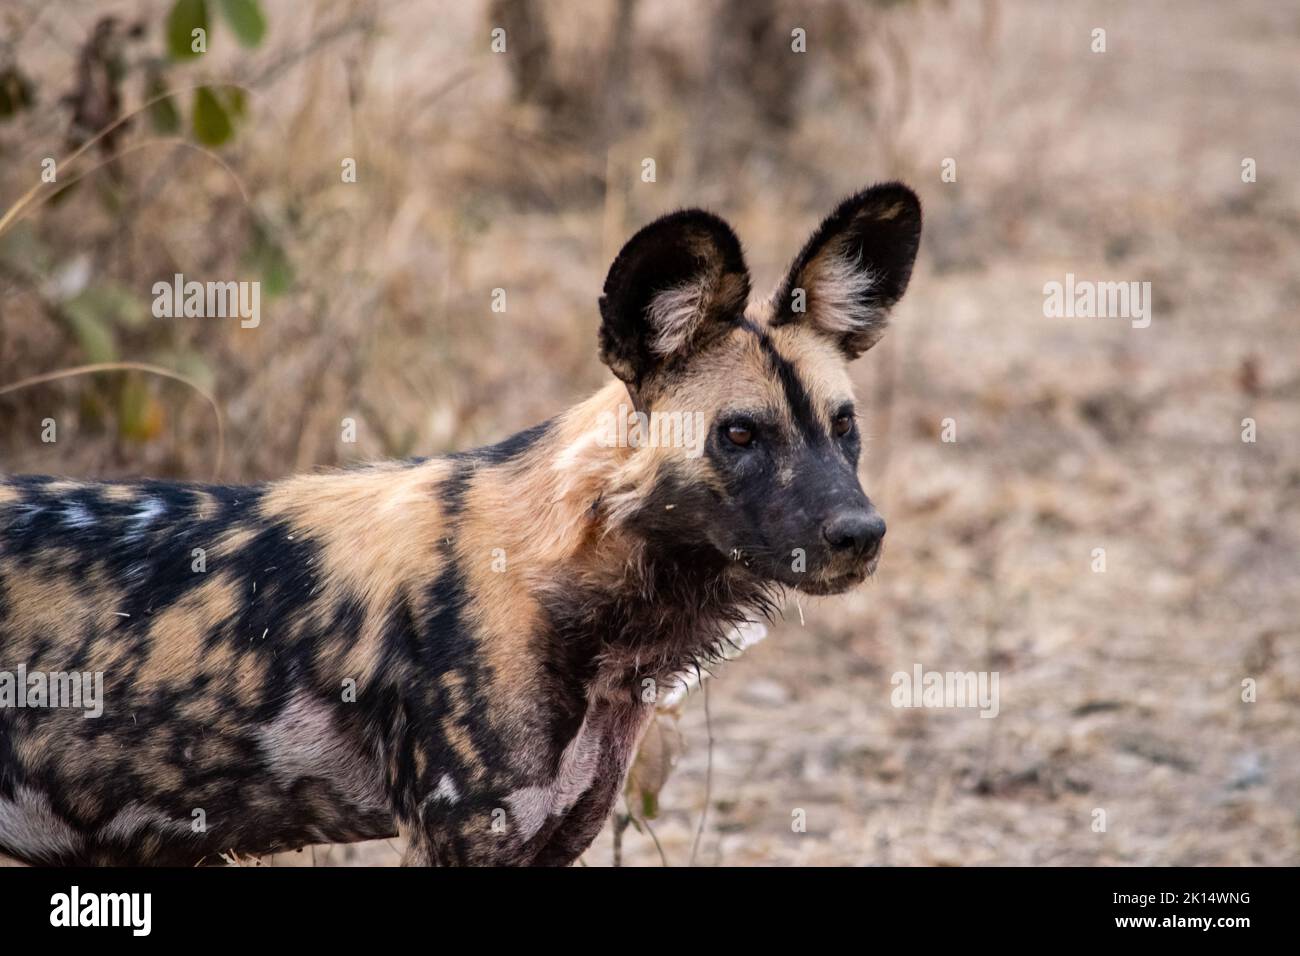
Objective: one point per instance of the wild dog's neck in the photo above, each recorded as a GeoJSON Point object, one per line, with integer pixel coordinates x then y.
{"type": "Point", "coordinates": [581, 509]}
{"type": "Point", "coordinates": [572, 495]}
{"type": "Point", "coordinates": [566, 489]}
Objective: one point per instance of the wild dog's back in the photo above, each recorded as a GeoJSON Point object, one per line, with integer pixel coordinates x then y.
{"type": "Point", "coordinates": [222, 626]}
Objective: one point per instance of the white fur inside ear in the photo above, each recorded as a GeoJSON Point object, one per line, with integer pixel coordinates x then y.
{"type": "Point", "coordinates": [840, 285]}
{"type": "Point", "coordinates": [674, 314]}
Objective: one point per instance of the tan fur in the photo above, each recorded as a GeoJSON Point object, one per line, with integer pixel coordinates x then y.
{"type": "Point", "coordinates": [379, 531]}
{"type": "Point", "coordinates": [205, 505]}
{"type": "Point", "coordinates": [179, 630]}
{"type": "Point", "coordinates": [120, 494]}
{"type": "Point", "coordinates": [821, 367]}
{"type": "Point", "coordinates": [43, 603]}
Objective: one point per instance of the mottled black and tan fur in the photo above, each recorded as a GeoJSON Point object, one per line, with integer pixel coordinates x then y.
{"type": "Point", "coordinates": [498, 613]}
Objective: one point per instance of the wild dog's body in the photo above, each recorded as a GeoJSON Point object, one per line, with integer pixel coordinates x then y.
{"type": "Point", "coordinates": [457, 648]}
{"type": "Point", "coordinates": [435, 587]}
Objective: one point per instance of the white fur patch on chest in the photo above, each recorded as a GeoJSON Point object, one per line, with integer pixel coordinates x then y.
{"type": "Point", "coordinates": [530, 806]}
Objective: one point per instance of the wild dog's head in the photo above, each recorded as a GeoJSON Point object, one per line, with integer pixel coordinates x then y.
{"type": "Point", "coordinates": [771, 482]}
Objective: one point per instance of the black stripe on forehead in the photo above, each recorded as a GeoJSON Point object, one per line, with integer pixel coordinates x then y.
{"type": "Point", "coordinates": [801, 406]}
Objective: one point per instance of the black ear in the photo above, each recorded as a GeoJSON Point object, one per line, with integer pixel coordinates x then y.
{"type": "Point", "coordinates": [854, 268]}
{"type": "Point", "coordinates": [678, 284]}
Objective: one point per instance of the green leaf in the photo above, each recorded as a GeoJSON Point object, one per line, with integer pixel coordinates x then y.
{"type": "Point", "coordinates": [189, 363]}
{"type": "Point", "coordinates": [108, 304]}
{"type": "Point", "coordinates": [212, 124]}
{"type": "Point", "coordinates": [186, 17]}
{"type": "Point", "coordinates": [271, 262]}
{"type": "Point", "coordinates": [121, 304]}
{"type": "Point", "coordinates": [140, 414]}
{"type": "Point", "coordinates": [163, 115]}
{"type": "Point", "coordinates": [91, 329]}
{"type": "Point", "coordinates": [235, 101]}
{"type": "Point", "coordinates": [246, 19]}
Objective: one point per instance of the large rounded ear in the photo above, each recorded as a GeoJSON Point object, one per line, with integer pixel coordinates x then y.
{"type": "Point", "coordinates": [854, 268]}
{"type": "Point", "coordinates": [678, 284]}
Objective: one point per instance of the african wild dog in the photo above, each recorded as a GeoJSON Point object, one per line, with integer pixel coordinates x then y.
{"type": "Point", "coordinates": [453, 648]}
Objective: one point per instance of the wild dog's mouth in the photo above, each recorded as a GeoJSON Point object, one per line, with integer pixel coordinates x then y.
{"type": "Point", "coordinates": [835, 579]}
{"type": "Point", "coordinates": [838, 583]}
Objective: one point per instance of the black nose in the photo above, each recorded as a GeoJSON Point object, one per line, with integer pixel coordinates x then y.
{"type": "Point", "coordinates": [860, 530]}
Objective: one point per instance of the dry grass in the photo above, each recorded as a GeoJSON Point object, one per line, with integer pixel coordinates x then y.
{"type": "Point", "coordinates": [1120, 690]}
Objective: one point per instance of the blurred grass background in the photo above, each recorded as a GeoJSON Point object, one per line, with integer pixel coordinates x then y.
{"type": "Point", "coordinates": [522, 171]}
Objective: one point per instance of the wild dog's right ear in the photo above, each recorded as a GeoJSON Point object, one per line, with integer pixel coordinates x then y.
{"type": "Point", "coordinates": [678, 284]}
{"type": "Point", "coordinates": [854, 268]}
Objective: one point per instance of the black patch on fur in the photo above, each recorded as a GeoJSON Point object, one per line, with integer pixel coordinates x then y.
{"type": "Point", "coordinates": [452, 491]}
{"type": "Point", "coordinates": [796, 395]}
{"type": "Point", "coordinates": [507, 449]}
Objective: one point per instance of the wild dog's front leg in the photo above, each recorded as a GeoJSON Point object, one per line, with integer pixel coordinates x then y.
{"type": "Point", "coordinates": [547, 816]}
{"type": "Point", "coordinates": [581, 825]}
{"type": "Point", "coordinates": [622, 727]}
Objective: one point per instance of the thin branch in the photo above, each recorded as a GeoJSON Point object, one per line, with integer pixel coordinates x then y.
{"type": "Point", "coordinates": [663, 857]}
{"type": "Point", "coordinates": [708, 778]}
{"type": "Point", "coordinates": [133, 367]}
{"type": "Point", "coordinates": [15, 211]}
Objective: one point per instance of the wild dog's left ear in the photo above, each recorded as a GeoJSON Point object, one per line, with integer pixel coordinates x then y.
{"type": "Point", "coordinates": [678, 284]}
{"type": "Point", "coordinates": [854, 268]}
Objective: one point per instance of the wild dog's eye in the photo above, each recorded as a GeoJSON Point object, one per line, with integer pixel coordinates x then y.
{"type": "Point", "coordinates": [740, 435]}
{"type": "Point", "coordinates": [843, 424]}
